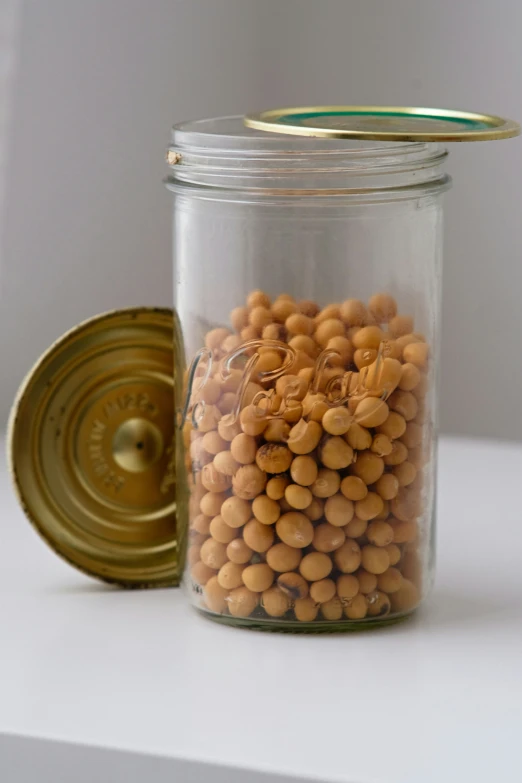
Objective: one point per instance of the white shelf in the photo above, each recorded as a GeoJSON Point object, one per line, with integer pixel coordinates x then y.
{"type": "Point", "coordinates": [102, 685]}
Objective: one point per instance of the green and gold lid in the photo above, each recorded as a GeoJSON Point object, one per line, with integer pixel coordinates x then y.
{"type": "Point", "coordinates": [384, 123]}
{"type": "Point", "coordinates": [91, 447]}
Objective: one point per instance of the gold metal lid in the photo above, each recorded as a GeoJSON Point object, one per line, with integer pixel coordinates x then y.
{"type": "Point", "coordinates": [384, 123]}
{"type": "Point", "coordinates": [91, 447]}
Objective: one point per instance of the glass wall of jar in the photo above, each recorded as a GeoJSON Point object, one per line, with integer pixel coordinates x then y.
{"type": "Point", "coordinates": [307, 283]}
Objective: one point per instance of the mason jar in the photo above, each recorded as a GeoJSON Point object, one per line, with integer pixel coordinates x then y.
{"type": "Point", "coordinates": [308, 287]}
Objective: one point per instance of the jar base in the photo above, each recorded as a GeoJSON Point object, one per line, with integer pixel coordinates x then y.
{"type": "Point", "coordinates": [313, 627]}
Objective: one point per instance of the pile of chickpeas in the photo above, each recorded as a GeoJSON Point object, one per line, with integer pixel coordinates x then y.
{"type": "Point", "coordinates": [301, 508]}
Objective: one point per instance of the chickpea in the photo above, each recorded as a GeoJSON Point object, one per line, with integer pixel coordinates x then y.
{"type": "Point", "coordinates": [379, 533]}
{"type": "Point", "coordinates": [291, 387]}
{"type": "Point", "coordinates": [211, 503]}
{"type": "Point", "coordinates": [301, 361]}
{"type": "Point", "coordinates": [293, 412]}
{"type": "Point", "coordinates": [275, 602]}
{"type": "Point", "coordinates": [342, 346]}
{"type": "Point", "coordinates": [257, 536]}
{"type": "Point", "coordinates": [383, 376]}
{"type": "Point", "coordinates": [335, 453]}
{"type": "Point", "coordinates": [238, 551]}
{"type": "Point", "coordinates": [364, 357]}
{"type": "Point", "coordinates": [404, 403]}
{"type": "Point", "coordinates": [294, 529]}
{"type": "Point", "coordinates": [253, 421]}
{"type": "Point", "coordinates": [353, 488]}
{"type": "Point", "coordinates": [293, 585]}
{"type": "Point", "coordinates": [421, 389]}
{"type": "Point", "coordinates": [232, 342]}
{"type": "Point", "coordinates": [357, 608]}
{"type": "Point", "coordinates": [265, 510]}
{"type": "Point", "coordinates": [406, 598]}
{"type": "Point", "coordinates": [299, 324]}
{"type": "Point", "coordinates": [371, 412]}
{"type": "Point", "coordinates": [390, 581]}
{"type": "Point", "coordinates": [355, 528]}
{"type": "Point", "coordinates": [235, 512]}
{"type": "Point", "coordinates": [274, 332]}
{"type": "Point", "coordinates": [303, 470]}
{"type": "Point", "coordinates": [213, 554]}
{"type": "Point", "coordinates": [397, 455]}
{"type": "Point", "coordinates": [220, 531]}
{"type": "Point", "coordinates": [314, 512]}
{"type": "Point", "coordinates": [225, 463]}
{"type": "Point", "coordinates": [208, 418]}
{"type": "Point", "coordinates": [368, 337]}
{"type": "Point", "coordinates": [215, 337]}
{"type": "Point", "coordinates": [298, 497]}
{"type": "Point", "coordinates": [283, 558]}
{"type": "Point", "coordinates": [337, 421]}
{"type": "Point", "coordinates": [370, 507]}
{"type": "Point", "coordinates": [383, 307]}
{"type": "Point", "coordinates": [305, 343]}
{"type": "Point", "coordinates": [404, 531]}
{"type": "Point", "coordinates": [242, 602]}
{"type": "Point", "coordinates": [307, 373]}
{"type": "Point", "coordinates": [239, 318]}
{"type": "Point", "coordinates": [328, 538]}
{"type": "Point", "coordinates": [322, 591]}
{"type": "Point", "coordinates": [400, 325]}
{"type": "Point", "coordinates": [305, 610]}
{"type": "Point", "coordinates": [275, 488]}
{"type": "Point", "coordinates": [381, 445]}
{"type": "Point", "coordinates": [315, 406]}
{"type": "Point", "coordinates": [215, 596]}
{"type": "Point", "coordinates": [358, 437]}
{"type": "Point", "coordinates": [333, 609]}
{"type": "Point", "coordinates": [353, 312]}
{"type": "Point", "coordinates": [367, 582]}
{"type": "Point", "coordinates": [412, 435]}
{"type": "Point", "coordinates": [304, 437]}
{"type": "Point", "coordinates": [405, 474]}
{"type": "Point", "coordinates": [328, 329]}
{"type": "Point", "coordinates": [243, 448]}
{"type": "Point", "coordinates": [327, 313]}
{"type": "Point", "coordinates": [393, 427]}
{"type": "Point", "coordinates": [268, 361]}
{"type": "Point", "coordinates": [229, 427]}
{"type": "Point", "coordinates": [274, 458]}
{"type": "Point", "coordinates": [326, 484]}
{"type": "Point", "coordinates": [348, 557]}
{"type": "Point", "coordinates": [201, 573]}
{"type": "Point", "coordinates": [394, 553]}
{"type": "Point", "coordinates": [308, 307]}
{"type": "Point", "coordinates": [257, 298]}
{"type": "Point", "coordinates": [417, 354]}
{"type": "Point", "coordinates": [368, 466]}
{"type": "Point", "coordinates": [387, 486]}
{"type": "Point", "coordinates": [226, 403]}
{"type": "Point", "coordinates": [213, 480]}
{"type": "Point", "coordinates": [249, 481]}
{"type": "Point", "coordinates": [249, 333]}
{"type": "Point", "coordinates": [283, 309]}
{"type": "Point", "coordinates": [258, 577]}
{"type": "Point", "coordinates": [315, 566]}
{"type": "Point", "coordinates": [378, 604]}
{"type": "Point", "coordinates": [201, 524]}
{"type": "Point", "coordinates": [200, 457]}
{"type": "Point", "coordinates": [338, 510]}
{"type": "Point", "coordinates": [410, 377]}
{"type": "Point", "coordinates": [375, 559]}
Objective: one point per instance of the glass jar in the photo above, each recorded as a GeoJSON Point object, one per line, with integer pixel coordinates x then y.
{"type": "Point", "coordinates": [307, 284]}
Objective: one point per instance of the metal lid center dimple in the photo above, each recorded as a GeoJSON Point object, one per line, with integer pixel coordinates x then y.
{"type": "Point", "coordinates": [137, 444]}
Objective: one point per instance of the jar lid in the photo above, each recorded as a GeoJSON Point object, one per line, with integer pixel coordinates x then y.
{"type": "Point", "coordinates": [384, 123]}
{"type": "Point", "coordinates": [91, 447]}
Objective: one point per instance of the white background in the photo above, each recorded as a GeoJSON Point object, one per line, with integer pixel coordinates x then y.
{"type": "Point", "coordinates": [86, 226]}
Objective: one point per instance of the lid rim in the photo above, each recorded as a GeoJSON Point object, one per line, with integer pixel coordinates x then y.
{"type": "Point", "coordinates": [280, 121]}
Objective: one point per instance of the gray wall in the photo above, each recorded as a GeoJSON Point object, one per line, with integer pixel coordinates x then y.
{"type": "Point", "coordinates": [86, 226]}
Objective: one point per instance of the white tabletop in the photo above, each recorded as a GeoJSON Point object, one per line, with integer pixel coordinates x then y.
{"type": "Point", "coordinates": [102, 685]}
